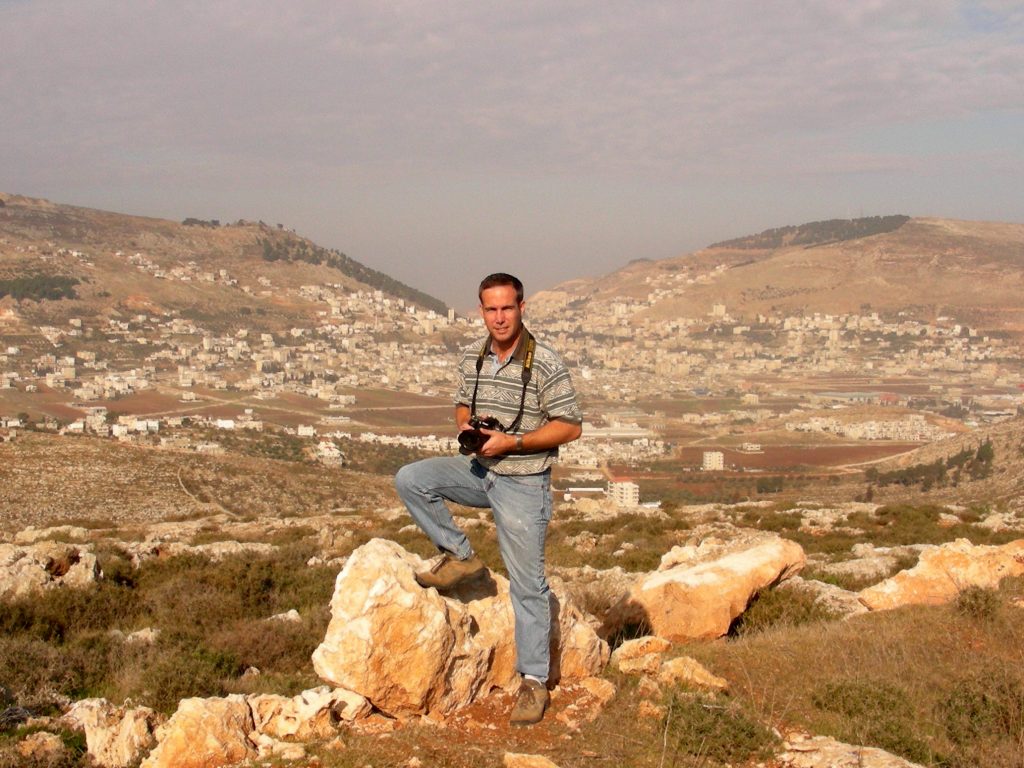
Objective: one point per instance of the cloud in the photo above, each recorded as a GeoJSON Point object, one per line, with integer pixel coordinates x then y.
{"type": "Point", "coordinates": [344, 103]}
{"type": "Point", "coordinates": [649, 87]}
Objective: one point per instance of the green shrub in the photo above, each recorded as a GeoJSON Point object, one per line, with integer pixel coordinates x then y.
{"type": "Point", "coordinates": [283, 646]}
{"type": "Point", "coordinates": [58, 613]}
{"type": "Point", "coordinates": [979, 603]}
{"type": "Point", "coordinates": [876, 713]}
{"type": "Point", "coordinates": [787, 607]}
{"type": "Point", "coordinates": [713, 728]}
{"type": "Point", "coordinates": [173, 668]}
{"type": "Point", "coordinates": [985, 708]}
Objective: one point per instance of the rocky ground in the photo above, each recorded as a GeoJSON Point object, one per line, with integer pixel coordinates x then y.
{"type": "Point", "coordinates": [670, 622]}
{"type": "Point", "coordinates": [455, 677]}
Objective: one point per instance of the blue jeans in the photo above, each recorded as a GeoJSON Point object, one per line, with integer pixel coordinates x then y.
{"type": "Point", "coordinates": [521, 506]}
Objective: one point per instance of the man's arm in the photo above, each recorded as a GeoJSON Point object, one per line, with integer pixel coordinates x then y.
{"type": "Point", "coordinates": [462, 414]}
{"type": "Point", "coordinates": [553, 434]}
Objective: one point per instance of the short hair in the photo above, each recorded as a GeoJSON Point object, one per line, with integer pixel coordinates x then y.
{"type": "Point", "coordinates": [498, 279]}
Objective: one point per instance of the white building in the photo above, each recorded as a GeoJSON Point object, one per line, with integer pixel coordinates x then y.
{"type": "Point", "coordinates": [624, 493]}
{"type": "Point", "coordinates": [713, 460]}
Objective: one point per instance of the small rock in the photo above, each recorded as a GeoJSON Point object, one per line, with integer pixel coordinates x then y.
{"type": "Point", "coordinates": [41, 746]}
{"type": "Point", "coordinates": [650, 710]}
{"type": "Point", "coordinates": [640, 656]}
{"type": "Point", "coordinates": [517, 760]}
{"type": "Point", "coordinates": [689, 671]}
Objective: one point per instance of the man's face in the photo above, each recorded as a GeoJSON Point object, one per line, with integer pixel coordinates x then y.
{"type": "Point", "coordinates": [502, 314]}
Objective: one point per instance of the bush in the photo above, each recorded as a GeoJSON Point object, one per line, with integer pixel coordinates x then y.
{"type": "Point", "coordinates": [788, 607]}
{"type": "Point", "coordinates": [716, 729]}
{"type": "Point", "coordinates": [985, 708]}
{"type": "Point", "coordinates": [876, 713]}
{"type": "Point", "coordinates": [979, 603]}
{"type": "Point", "coordinates": [211, 619]}
{"type": "Point", "coordinates": [41, 674]}
{"type": "Point", "coordinates": [174, 668]}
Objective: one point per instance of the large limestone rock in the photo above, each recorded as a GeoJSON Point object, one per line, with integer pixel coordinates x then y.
{"type": "Point", "coordinates": [520, 760]}
{"type": "Point", "coordinates": [114, 736]}
{"type": "Point", "coordinates": [29, 569]}
{"type": "Point", "coordinates": [412, 651]}
{"type": "Point", "coordinates": [700, 588]}
{"type": "Point", "coordinates": [942, 572]}
{"type": "Point", "coordinates": [205, 733]}
{"type": "Point", "coordinates": [313, 714]}
{"type": "Point", "coordinates": [826, 752]}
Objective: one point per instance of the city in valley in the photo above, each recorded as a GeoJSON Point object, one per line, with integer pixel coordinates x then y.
{"type": "Point", "coordinates": [710, 402]}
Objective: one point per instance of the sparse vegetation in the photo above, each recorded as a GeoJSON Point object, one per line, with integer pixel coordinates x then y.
{"type": "Point", "coordinates": [290, 248]}
{"type": "Point", "coordinates": [779, 608]}
{"type": "Point", "coordinates": [712, 731]}
{"type": "Point", "coordinates": [975, 463]}
{"type": "Point", "coordinates": [39, 287]}
{"type": "Point", "coordinates": [930, 684]}
{"type": "Point", "coordinates": [212, 625]}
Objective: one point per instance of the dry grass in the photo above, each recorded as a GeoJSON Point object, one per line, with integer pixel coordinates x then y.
{"type": "Point", "coordinates": [47, 480]}
{"type": "Point", "coordinates": [914, 681]}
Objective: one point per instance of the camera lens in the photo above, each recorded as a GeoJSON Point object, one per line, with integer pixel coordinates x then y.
{"type": "Point", "coordinates": [471, 441]}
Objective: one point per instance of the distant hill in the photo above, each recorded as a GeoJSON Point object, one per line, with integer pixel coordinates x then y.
{"type": "Point", "coordinates": [1000, 483]}
{"type": "Point", "coordinates": [817, 233]}
{"type": "Point", "coordinates": [973, 271]}
{"type": "Point", "coordinates": [97, 260]}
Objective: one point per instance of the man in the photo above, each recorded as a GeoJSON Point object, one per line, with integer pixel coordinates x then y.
{"type": "Point", "coordinates": [505, 465]}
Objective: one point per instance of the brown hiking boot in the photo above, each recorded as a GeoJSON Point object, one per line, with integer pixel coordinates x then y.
{"type": "Point", "coordinates": [531, 703]}
{"type": "Point", "coordinates": [449, 571]}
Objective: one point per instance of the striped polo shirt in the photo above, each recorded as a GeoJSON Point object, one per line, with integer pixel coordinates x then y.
{"type": "Point", "coordinates": [549, 395]}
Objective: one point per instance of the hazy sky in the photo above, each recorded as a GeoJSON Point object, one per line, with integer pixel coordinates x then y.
{"type": "Point", "coordinates": [440, 141]}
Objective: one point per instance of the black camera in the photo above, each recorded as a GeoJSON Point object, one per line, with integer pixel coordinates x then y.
{"type": "Point", "coordinates": [472, 440]}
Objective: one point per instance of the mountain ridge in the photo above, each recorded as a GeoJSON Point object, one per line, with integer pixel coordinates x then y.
{"type": "Point", "coordinates": [931, 267]}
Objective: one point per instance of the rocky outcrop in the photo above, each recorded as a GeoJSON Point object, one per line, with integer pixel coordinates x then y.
{"type": "Point", "coordinates": [872, 564]}
{"type": "Point", "coordinates": [700, 588]}
{"type": "Point", "coordinates": [32, 535]}
{"type": "Point", "coordinates": [825, 752]}
{"type": "Point", "coordinates": [413, 651]}
{"type": "Point", "coordinates": [942, 572]}
{"type": "Point", "coordinates": [42, 748]}
{"type": "Point", "coordinates": [216, 551]}
{"type": "Point", "coordinates": [29, 569]}
{"type": "Point", "coordinates": [842, 603]}
{"type": "Point", "coordinates": [115, 737]}
{"type": "Point", "coordinates": [213, 732]}
{"type": "Point", "coordinates": [313, 714]}
{"type": "Point", "coordinates": [205, 733]}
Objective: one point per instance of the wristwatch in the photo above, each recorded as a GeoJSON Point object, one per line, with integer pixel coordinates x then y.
{"type": "Point", "coordinates": [519, 442]}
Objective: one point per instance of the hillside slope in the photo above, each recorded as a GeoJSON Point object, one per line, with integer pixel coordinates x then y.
{"type": "Point", "coordinates": [973, 271]}
{"type": "Point", "coordinates": [119, 263]}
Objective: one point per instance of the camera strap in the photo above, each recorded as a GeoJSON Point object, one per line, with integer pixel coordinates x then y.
{"type": "Point", "coordinates": [531, 347]}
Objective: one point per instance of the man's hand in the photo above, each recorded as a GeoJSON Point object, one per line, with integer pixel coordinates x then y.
{"type": "Point", "coordinates": [498, 443]}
